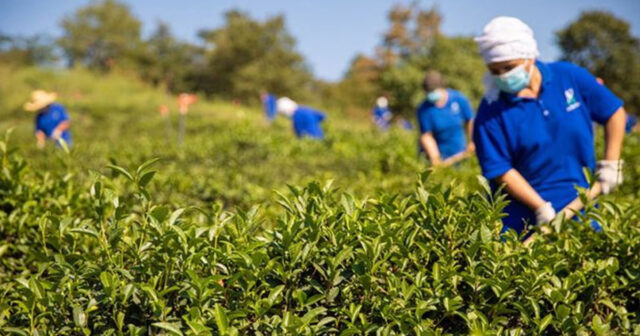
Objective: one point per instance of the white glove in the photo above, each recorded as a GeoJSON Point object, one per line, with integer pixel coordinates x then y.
{"type": "Point", "coordinates": [609, 174]}
{"type": "Point", "coordinates": [56, 134]}
{"type": "Point", "coordinates": [545, 213]}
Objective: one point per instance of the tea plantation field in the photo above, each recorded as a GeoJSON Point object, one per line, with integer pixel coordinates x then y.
{"type": "Point", "coordinates": [245, 230]}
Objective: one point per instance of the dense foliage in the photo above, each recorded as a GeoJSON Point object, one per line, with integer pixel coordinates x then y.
{"type": "Point", "coordinates": [605, 45]}
{"type": "Point", "coordinates": [109, 240]}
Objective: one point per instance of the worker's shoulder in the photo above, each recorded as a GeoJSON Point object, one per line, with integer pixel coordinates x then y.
{"type": "Point", "coordinates": [456, 95]}
{"type": "Point", "coordinates": [57, 107]}
{"type": "Point", "coordinates": [563, 67]}
{"type": "Point", "coordinates": [306, 111]}
{"type": "Point", "coordinates": [490, 109]}
{"type": "Point", "coordinates": [424, 106]}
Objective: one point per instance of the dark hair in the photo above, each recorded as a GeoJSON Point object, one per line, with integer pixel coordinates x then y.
{"type": "Point", "coordinates": [432, 80]}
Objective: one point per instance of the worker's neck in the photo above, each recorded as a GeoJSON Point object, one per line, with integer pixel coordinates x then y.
{"type": "Point", "coordinates": [445, 97]}
{"type": "Point", "coordinates": [533, 89]}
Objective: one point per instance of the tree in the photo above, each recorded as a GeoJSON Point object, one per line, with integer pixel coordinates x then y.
{"type": "Point", "coordinates": [360, 85]}
{"type": "Point", "coordinates": [167, 61]}
{"type": "Point", "coordinates": [245, 56]}
{"type": "Point", "coordinates": [604, 44]}
{"type": "Point", "coordinates": [26, 51]}
{"type": "Point", "coordinates": [101, 35]}
{"type": "Point", "coordinates": [414, 45]}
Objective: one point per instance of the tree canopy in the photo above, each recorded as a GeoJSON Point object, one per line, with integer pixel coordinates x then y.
{"type": "Point", "coordinates": [604, 44]}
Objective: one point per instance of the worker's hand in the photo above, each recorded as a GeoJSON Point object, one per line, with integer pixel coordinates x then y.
{"type": "Point", "coordinates": [471, 148]}
{"type": "Point", "coordinates": [40, 143]}
{"type": "Point", "coordinates": [545, 213]}
{"type": "Point", "coordinates": [609, 174]}
{"type": "Point", "coordinates": [56, 134]}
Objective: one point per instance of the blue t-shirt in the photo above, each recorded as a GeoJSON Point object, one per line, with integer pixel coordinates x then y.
{"type": "Point", "coordinates": [548, 140]}
{"type": "Point", "coordinates": [631, 123]}
{"type": "Point", "coordinates": [269, 104]}
{"type": "Point", "coordinates": [446, 123]}
{"type": "Point", "coordinates": [50, 117]}
{"type": "Point", "coordinates": [382, 116]}
{"type": "Point", "coordinates": [306, 123]}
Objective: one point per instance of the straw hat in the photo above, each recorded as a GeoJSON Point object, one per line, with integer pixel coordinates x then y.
{"type": "Point", "coordinates": [39, 99]}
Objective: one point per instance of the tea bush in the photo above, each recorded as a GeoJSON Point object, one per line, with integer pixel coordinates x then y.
{"type": "Point", "coordinates": [217, 237]}
{"type": "Point", "coordinates": [105, 258]}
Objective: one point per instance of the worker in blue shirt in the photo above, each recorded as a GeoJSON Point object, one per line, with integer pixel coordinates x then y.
{"type": "Point", "coordinates": [381, 114]}
{"type": "Point", "coordinates": [269, 105]}
{"type": "Point", "coordinates": [445, 119]}
{"type": "Point", "coordinates": [52, 120]}
{"type": "Point", "coordinates": [306, 121]}
{"type": "Point", "coordinates": [533, 131]}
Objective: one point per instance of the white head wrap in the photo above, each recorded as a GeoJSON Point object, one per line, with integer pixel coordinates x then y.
{"type": "Point", "coordinates": [507, 38]}
{"type": "Point", "coordinates": [382, 102]}
{"type": "Point", "coordinates": [286, 106]}
{"type": "Point", "coordinates": [504, 39]}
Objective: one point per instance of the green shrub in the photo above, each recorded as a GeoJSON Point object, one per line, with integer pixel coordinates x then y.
{"type": "Point", "coordinates": [105, 258]}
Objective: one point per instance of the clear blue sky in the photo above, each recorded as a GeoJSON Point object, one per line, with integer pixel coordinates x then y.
{"type": "Point", "coordinates": [329, 32]}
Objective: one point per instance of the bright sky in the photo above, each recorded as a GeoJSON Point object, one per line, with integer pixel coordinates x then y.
{"type": "Point", "coordinates": [329, 32]}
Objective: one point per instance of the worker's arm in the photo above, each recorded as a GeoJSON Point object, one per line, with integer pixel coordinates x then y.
{"type": "Point", "coordinates": [431, 148]}
{"type": "Point", "coordinates": [520, 189]}
{"type": "Point", "coordinates": [471, 147]}
{"type": "Point", "coordinates": [57, 132]}
{"type": "Point", "coordinates": [614, 134]}
{"type": "Point", "coordinates": [40, 139]}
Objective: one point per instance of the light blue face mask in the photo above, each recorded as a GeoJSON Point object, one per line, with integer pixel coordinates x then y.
{"type": "Point", "coordinates": [434, 96]}
{"type": "Point", "coordinates": [514, 80]}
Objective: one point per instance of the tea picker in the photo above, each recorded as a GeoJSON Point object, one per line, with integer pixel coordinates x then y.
{"type": "Point", "coordinates": [306, 121]}
{"type": "Point", "coordinates": [269, 105]}
{"type": "Point", "coordinates": [445, 122]}
{"type": "Point", "coordinates": [533, 131]}
{"type": "Point", "coordinates": [381, 114]}
{"type": "Point", "coordinates": [184, 100]}
{"type": "Point", "coordinates": [52, 120]}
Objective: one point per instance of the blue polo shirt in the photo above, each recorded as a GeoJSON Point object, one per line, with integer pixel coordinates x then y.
{"type": "Point", "coordinates": [306, 123]}
{"type": "Point", "coordinates": [446, 123]}
{"type": "Point", "coordinates": [548, 140]}
{"type": "Point", "coordinates": [269, 105]}
{"type": "Point", "coordinates": [381, 116]}
{"type": "Point", "coordinates": [50, 117]}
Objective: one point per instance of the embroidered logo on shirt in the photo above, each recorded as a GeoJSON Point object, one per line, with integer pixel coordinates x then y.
{"type": "Point", "coordinates": [455, 108]}
{"type": "Point", "coordinates": [572, 103]}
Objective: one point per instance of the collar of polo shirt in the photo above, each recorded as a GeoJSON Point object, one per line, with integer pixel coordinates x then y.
{"type": "Point", "coordinates": [547, 78]}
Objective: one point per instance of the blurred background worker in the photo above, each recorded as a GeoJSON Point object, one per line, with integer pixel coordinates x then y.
{"type": "Point", "coordinates": [52, 120]}
{"type": "Point", "coordinates": [306, 121]}
{"type": "Point", "coordinates": [533, 131]}
{"type": "Point", "coordinates": [445, 120]}
{"type": "Point", "coordinates": [269, 105]}
{"type": "Point", "coordinates": [381, 114]}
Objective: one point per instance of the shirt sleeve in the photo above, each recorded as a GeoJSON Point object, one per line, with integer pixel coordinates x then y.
{"type": "Point", "coordinates": [37, 127]}
{"type": "Point", "coordinates": [601, 102]}
{"type": "Point", "coordinates": [424, 119]}
{"type": "Point", "coordinates": [491, 144]}
{"type": "Point", "coordinates": [465, 107]}
{"type": "Point", "coordinates": [64, 116]}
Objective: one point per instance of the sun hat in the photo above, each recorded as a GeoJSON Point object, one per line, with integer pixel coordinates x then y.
{"type": "Point", "coordinates": [39, 99]}
{"type": "Point", "coordinates": [286, 106]}
{"type": "Point", "coordinates": [382, 102]}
